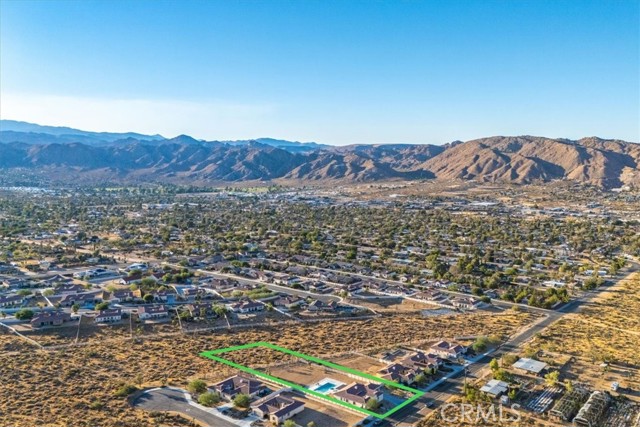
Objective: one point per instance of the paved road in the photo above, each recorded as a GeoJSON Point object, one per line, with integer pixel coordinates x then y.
{"type": "Point", "coordinates": [165, 399]}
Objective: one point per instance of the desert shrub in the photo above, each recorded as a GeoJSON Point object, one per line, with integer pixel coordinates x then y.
{"type": "Point", "coordinates": [209, 399]}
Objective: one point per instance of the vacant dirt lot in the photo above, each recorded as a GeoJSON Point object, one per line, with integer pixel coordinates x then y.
{"type": "Point", "coordinates": [606, 330]}
{"type": "Point", "coordinates": [324, 414]}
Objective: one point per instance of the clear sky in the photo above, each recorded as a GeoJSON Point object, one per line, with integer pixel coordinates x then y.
{"type": "Point", "coordinates": [334, 72]}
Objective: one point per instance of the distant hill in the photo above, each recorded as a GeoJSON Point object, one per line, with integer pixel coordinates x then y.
{"type": "Point", "coordinates": [67, 134]}
{"type": "Point", "coordinates": [292, 146]}
{"type": "Point", "coordinates": [526, 159]}
{"type": "Point", "coordinates": [517, 159]}
{"type": "Point", "coordinates": [30, 133]}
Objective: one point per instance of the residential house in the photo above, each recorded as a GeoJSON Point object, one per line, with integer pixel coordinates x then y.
{"type": "Point", "coordinates": [408, 368]}
{"type": "Point", "coordinates": [11, 300]}
{"type": "Point", "coordinates": [187, 292]}
{"type": "Point", "coordinates": [122, 296]}
{"type": "Point", "coordinates": [397, 290]}
{"type": "Point", "coordinates": [83, 300]}
{"type": "Point", "coordinates": [360, 394]}
{"type": "Point", "coordinates": [245, 306]}
{"type": "Point", "coordinates": [529, 366]}
{"type": "Point", "coordinates": [317, 306]}
{"type": "Point", "coordinates": [422, 360]}
{"type": "Point", "coordinates": [45, 318]}
{"type": "Point", "coordinates": [354, 288]}
{"type": "Point", "coordinates": [56, 280]}
{"type": "Point", "coordinates": [400, 373]}
{"type": "Point", "coordinates": [495, 388]}
{"type": "Point", "coordinates": [433, 296]}
{"type": "Point", "coordinates": [109, 316]}
{"type": "Point", "coordinates": [152, 312]}
{"type": "Point", "coordinates": [133, 279]}
{"type": "Point", "coordinates": [164, 296]}
{"type": "Point", "coordinates": [465, 303]}
{"type": "Point", "coordinates": [288, 301]}
{"type": "Point", "coordinates": [69, 288]}
{"type": "Point", "coordinates": [204, 310]}
{"type": "Point", "coordinates": [448, 350]}
{"type": "Point", "coordinates": [277, 408]}
{"type": "Point", "coordinates": [238, 384]}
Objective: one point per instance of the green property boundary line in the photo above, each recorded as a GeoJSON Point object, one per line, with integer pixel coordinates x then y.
{"type": "Point", "coordinates": [213, 355]}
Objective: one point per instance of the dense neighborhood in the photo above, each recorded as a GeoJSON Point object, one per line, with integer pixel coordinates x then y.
{"type": "Point", "coordinates": [132, 261]}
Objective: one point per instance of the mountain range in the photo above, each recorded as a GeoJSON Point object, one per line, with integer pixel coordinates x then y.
{"type": "Point", "coordinates": [71, 155]}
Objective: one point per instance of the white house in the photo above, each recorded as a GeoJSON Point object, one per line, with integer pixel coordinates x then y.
{"type": "Point", "coordinates": [109, 316]}
{"type": "Point", "coordinates": [153, 312]}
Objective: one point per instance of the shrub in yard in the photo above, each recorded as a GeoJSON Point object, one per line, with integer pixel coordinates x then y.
{"type": "Point", "coordinates": [241, 401]}
{"type": "Point", "coordinates": [372, 404]}
{"type": "Point", "coordinates": [197, 387]}
{"type": "Point", "coordinates": [24, 314]}
{"type": "Point", "coordinates": [209, 399]}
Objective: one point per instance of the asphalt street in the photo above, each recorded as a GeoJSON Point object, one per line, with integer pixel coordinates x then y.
{"type": "Point", "coordinates": [165, 399]}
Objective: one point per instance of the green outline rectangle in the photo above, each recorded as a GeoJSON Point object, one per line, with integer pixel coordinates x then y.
{"type": "Point", "coordinates": [213, 355]}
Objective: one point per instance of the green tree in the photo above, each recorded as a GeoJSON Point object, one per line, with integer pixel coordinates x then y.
{"type": "Point", "coordinates": [197, 387]}
{"type": "Point", "coordinates": [102, 306]}
{"type": "Point", "coordinates": [220, 310]}
{"type": "Point", "coordinates": [471, 393]}
{"type": "Point", "coordinates": [148, 282]}
{"type": "Point", "coordinates": [552, 378]}
{"type": "Point", "coordinates": [24, 314]}
{"type": "Point", "coordinates": [502, 375]}
{"type": "Point", "coordinates": [75, 308]}
{"type": "Point", "coordinates": [289, 423]}
{"type": "Point", "coordinates": [480, 344]}
{"type": "Point", "coordinates": [509, 359]}
{"type": "Point", "coordinates": [241, 401]}
{"type": "Point", "coordinates": [568, 385]}
{"type": "Point", "coordinates": [148, 298]}
{"type": "Point", "coordinates": [494, 365]}
{"type": "Point", "coordinates": [209, 399]}
{"type": "Point", "coordinates": [372, 404]}
{"type": "Point", "coordinates": [420, 379]}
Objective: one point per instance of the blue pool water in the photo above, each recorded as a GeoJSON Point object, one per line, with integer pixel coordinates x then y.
{"type": "Point", "coordinates": [325, 388]}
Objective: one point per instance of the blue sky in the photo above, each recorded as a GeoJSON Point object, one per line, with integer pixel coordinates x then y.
{"type": "Point", "coordinates": [335, 72]}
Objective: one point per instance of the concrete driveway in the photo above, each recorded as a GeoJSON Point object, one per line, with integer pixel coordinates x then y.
{"type": "Point", "coordinates": [166, 399]}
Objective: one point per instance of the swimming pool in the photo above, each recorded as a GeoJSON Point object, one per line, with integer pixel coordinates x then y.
{"type": "Point", "coordinates": [326, 385]}
{"type": "Point", "coordinates": [325, 388]}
